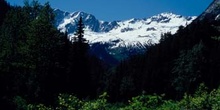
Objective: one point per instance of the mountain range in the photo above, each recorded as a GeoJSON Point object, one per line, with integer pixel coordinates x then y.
{"type": "Point", "coordinates": [117, 40]}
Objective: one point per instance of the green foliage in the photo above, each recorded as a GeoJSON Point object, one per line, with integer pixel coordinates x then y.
{"type": "Point", "coordinates": [38, 107]}
{"type": "Point", "coordinates": [169, 105]}
{"type": "Point", "coordinates": [151, 102]}
{"type": "Point", "coordinates": [98, 104]}
{"type": "Point", "coordinates": [144, 102]}
{"type": "Point", "coordinates": [201, 99]}
{"type": "Point", "coordinates": [197, 101]}
{"type": "Point", "coordinates": [68, 102]}
{"type": "Point", "coordinates": [214, 99]}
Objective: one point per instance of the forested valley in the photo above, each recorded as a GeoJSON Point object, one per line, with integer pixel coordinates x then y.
{"type": "Point", "coordinates": [42, 68]}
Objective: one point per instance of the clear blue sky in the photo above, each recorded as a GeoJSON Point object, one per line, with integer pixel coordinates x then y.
{"type": "Point", "coordinates": [109, 10]}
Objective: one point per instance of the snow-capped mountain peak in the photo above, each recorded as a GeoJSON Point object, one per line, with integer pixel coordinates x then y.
{"type": "Point", "coordinates": [163, 17]}
{"type": "Point", "coordinates": [68, 21]}
{"type": "Point", "coordinates": [126, 32]}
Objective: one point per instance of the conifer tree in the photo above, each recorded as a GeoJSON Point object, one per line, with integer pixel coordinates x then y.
{"type": "Point", "coordinates": [4, 8]}
{"type": "Point", "coordinates": [80, 32]}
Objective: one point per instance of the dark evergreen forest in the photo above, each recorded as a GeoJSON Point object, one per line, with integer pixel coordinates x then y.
{"type": "Point", "coordinates": [38, 62]}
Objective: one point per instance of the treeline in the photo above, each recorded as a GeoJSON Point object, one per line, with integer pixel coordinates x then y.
{"type": "Point", "coordinates": [37, 61]}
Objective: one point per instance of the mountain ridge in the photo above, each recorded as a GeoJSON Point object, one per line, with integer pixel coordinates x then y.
{"type": "Point", "coordinates": [102, 31]}
{"type": "Point", "coordinates": [120, 39]}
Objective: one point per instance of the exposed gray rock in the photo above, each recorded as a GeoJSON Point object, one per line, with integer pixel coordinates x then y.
{"type": "Point", "coordinates": [211, 12]}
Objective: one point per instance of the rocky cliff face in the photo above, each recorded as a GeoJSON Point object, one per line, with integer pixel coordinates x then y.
{"type": "Point", "coordinates": [212, 12]}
